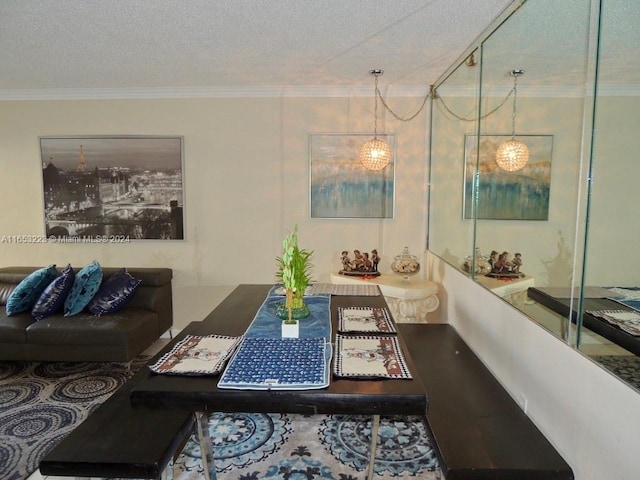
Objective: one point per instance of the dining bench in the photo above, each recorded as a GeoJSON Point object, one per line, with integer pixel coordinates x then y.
{"type": "Point", "coordinates": [479, 431]}
{"type": "Point", "coordinates": [123, 441]}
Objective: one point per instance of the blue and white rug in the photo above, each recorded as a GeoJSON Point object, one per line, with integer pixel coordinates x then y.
{"type": "Point", "coordinates": [288, 447]}
{"type": "Point", "coordinates": [40, 403]}
{"type": "Point", "coordinates": [626, 367]}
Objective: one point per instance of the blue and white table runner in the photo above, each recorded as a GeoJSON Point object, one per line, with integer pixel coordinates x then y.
{"type": "Point", "coordinates": [266, 361]}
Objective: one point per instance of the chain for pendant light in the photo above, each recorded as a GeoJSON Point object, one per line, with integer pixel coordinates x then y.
{"type": "Point", "coordinates": [375, 154]}
{"type": "Point", "coordinates": [516, 74]}
{"type": "Point", "coordinates": [482, 117]}
{"type": "Point", "coordinates": [513, 155]}
{"type": "Point", "coordinates": [434, 95]}
{"type": "Point", "coordinates": [377, 73]}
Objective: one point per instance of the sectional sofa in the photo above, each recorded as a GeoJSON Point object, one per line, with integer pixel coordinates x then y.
{"type": "Point", "coordinates": [84, 336]}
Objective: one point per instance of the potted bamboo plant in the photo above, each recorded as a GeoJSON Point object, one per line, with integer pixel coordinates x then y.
{"type": "Point", "coordinates": [295, 274]}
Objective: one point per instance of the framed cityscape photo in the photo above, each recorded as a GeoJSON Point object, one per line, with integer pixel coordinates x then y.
{"type": "Point", "coordinates": [113, 187]}
{"type": "Point", "coordinates": [340, 186]}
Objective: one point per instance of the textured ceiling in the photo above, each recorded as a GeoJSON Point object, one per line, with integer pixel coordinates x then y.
{"type": "Point", "coordinates": [129, 47]}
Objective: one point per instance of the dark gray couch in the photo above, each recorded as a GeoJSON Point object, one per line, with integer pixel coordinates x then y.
{"type": "Point", "coordinates": [117, 337]}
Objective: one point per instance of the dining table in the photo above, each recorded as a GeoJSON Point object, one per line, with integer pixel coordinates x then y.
{"type": "Point", "coordinates": [235, 316]}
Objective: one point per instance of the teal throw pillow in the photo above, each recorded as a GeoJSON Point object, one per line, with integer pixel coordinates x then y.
{"type": "Point", "coordinates": [25, 295]}
{"type": "Point", "coordinates": [114, 293]}
{"type": "Point", "coordinates": [85, 286]}
{"type": "Point", "coordinates": [52, 298]}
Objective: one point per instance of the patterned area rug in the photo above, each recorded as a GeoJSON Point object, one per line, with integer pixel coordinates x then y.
{"type": "Point", "coordinates": [257, 446]}
{"type": "Point", "coordinates": [40, 403]}
{"type": "Point", "coordinates": [627, 367]}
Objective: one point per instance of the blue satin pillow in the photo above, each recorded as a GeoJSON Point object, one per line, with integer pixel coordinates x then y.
{"type": "Point", "coordinates": [25, 295]}
{"type": "Point", "coordinates": [52, 298]}
{"type": "Point", "coordinates": [114, 293]}
{"type": "Point", "coordinates": [85, 286]}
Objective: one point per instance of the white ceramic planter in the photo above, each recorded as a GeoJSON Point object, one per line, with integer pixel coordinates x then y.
{"type": "Point", "coordinates": [290, 330]}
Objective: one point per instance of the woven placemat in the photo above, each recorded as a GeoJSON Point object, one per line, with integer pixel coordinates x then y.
{"type": "Point", "coordinates": [366, 356]}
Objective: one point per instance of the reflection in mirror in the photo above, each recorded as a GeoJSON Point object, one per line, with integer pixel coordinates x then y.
{"type": "Point", "coordinates": [533, 211]}
{"type": "Point", "coordinates": [548, 211]}
{"type": "Point", "coordinates": [454, 113]}
{"type": "Point", "coordinates": [610, 332]}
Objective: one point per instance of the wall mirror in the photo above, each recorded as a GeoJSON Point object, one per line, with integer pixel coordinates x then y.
{"type": "Point", "coordinates": [561, 210]}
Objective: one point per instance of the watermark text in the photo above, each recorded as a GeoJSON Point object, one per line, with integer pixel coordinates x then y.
{"type": "Point", "coordinates": [31, 239]}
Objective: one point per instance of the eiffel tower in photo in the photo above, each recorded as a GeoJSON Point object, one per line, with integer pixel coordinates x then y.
{"type": "Point", "coordinates": [82, 166]}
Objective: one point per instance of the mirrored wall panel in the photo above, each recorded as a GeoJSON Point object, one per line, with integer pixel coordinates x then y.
{"type": "Point", "coordinates": [610, 302]}
{"type": "Point", "coordinates": [533, 164]}
{"type": "Point", "coordinates": [454, 115]}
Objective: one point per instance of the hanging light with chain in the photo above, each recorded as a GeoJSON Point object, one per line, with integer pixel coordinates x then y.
{"type": "Point", "coordinates": [376, 153]}
{"type": "Point", "coordinates": [513, 154]}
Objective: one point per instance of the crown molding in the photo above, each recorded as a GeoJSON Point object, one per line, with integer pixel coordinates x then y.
{"type": "Point", "coordinates": [320, 91]}
{"type": "Point", "coordinates": [270, 91]}
{"type": "Point", "coordinates": [535, 91]}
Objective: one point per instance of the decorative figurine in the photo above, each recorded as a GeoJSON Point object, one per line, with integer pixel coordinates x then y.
{"type": "Point", "coordinates": [375, 259]}
{"type": "Point", "coordinates": [362, 265]}
{"type": "Point", "coordinates": [502, 264]}
{"type": "Point", "coordinates": [358, 261]}
{"type": "Point", "coordinates": [516, 263]}
{"type": "Point", "coordinates": [503, 267]}
{"type": "Point", "coordinates": [346, 261]}
{"type": "Point", "coordinates": [493, 258]}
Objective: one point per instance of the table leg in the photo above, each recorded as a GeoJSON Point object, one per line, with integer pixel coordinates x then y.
{"type": "Point", "coordinates": [374, 444]}
{"type": "Point", "coordinates": [202, 425]}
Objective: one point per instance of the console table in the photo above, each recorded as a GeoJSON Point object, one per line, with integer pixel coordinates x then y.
{"type": "Point", "coordinates": [343, 396]}
{"type": "Point", "coordinates": [410, 301]}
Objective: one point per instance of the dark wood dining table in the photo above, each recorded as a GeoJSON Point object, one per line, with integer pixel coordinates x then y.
{"type": "Point", "coordinates": [201, 395]}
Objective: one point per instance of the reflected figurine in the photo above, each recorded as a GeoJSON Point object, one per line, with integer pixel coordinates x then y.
{"type": "Point", "coordinates": [516, 263]}
{"type": "Point", "coordinates": [375, 259]}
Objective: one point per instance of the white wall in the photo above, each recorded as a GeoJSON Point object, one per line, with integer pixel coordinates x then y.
{"type": "Point", "coordinates": [590, 416]}
{"type": "Point", "coordinates": [246, 171]}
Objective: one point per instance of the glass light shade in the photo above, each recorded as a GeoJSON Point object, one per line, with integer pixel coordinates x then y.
{"type": "Point", "coordinates": [375, 154]}
{"type": "Point", "coordinates": [512, 155]}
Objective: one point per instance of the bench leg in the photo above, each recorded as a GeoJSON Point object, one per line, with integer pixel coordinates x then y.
{"type": "Point", "coordinates": [202, 426]}
{"type": "Point", "coordinates": [374, 444]}
{"type": "Point", "coordinates": [169, 471]}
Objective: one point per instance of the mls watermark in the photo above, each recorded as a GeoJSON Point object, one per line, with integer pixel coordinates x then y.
{"type": "Point", "coordinates": [31, 239]}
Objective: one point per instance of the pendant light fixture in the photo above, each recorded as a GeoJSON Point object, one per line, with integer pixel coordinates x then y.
{"type": "Point", "coordinates": [376, 153]}
{"type": "Point", "coordinates": [513, 154]}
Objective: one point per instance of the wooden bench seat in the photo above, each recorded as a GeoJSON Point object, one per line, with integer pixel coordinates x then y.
{"type": "Point", "coordinates": [478, 430]}
{"type": "Point", "coordinates": [118, 440]}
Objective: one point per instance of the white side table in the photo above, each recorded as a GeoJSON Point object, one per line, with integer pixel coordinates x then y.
{"type": "Point", "coordinates": [410, 302]}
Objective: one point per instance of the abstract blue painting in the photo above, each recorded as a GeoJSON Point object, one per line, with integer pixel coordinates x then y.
{"type": "Point", "coordinates": [502, 195]}
{"type": "Point", "coordinates": [340, 186]}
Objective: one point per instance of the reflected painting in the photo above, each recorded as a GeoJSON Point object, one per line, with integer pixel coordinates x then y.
{"type": "Point", "coordinates": [503, 195]}
{"type": "Point", "coordinates": [112, 189]}
{"type": "Point", "coordinates": [340, 186]}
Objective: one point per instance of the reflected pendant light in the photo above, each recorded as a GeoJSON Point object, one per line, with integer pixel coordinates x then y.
{"type": "Point", "coordinates": [376, 153]}
{"type": "Point", "coordinates": [513, 154]}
